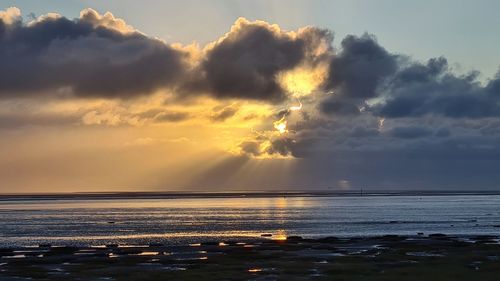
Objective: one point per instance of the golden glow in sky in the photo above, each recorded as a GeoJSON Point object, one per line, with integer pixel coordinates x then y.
{"type": "Point", "coordinates": [98, 134]}
{"type": "Point", "coordinates": [302, 81]}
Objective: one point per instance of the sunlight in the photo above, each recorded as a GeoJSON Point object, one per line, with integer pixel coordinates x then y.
{"type": "Point", "coordinates": [280, 235]}
{"type": "Point", "coordinates": [280, 125]}
{"type": "Point", "coordinates": [302, 81]}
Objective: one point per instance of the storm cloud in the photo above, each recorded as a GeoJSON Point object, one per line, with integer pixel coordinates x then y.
{"type": "Point", "coordinates": [361, 66]}
{"type": "Point", "coordinates": [101, 56]}
{"type": "Point", "coordinates": [433, 89]}
{"type": "Point", "coordinates": [356, 73]}
{"type": "Point", "coordinates": [91, 56]}
{"type": "Point", "coordinates": [245, 62]}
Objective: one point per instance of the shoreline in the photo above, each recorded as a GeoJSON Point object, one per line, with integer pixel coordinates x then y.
{"type": "Point", "coordinates": [236, 194]}
{"type": "Point", "coordinates": [388, 257]}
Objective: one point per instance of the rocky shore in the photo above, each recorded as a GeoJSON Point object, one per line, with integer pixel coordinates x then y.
{"type": "Point", "coordinates": [391, 257]}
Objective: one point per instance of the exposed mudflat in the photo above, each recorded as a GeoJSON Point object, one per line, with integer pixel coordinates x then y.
{"type": "Point", "coordinates": [433, 257]}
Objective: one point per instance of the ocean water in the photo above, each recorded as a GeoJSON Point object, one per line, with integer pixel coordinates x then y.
{"type": "Point", "coordinates": [191, 220]}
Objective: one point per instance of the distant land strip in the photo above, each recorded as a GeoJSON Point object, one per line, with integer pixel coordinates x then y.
{"type": "Point", "coordinates": [232, 194]}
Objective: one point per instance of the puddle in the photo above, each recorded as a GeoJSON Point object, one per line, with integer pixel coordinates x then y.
{"type": "Point", "coordinates": [254, 270]}
{"type": "Point", "coordinates": [174, 268]}
{"type": "Point", "coordinates": [147, 254]}
{"type": "Point", "coordinates": [15, 257]}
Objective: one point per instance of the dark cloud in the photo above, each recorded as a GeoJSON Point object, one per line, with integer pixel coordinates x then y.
{"type": "Point", "coordinates": [101, 56]}
{"type": "Point", "coordinates": [88, 56]}
{"type": "Point", "coordinates": [433, 89]}
{"type": "Point", "coordinates": [356, 74]}
{"type": "Point", "coordinates": [23, 120]}
{"type": "Point", "coordinates": [493, 87]}
{"type": "Point", "coordinates": [171, 116]}
{"type": "Point", "coordinates": [360, 67]}
{"type": "Point", "coordinates": [364, 70]}
{"type": "Point", "coordinates": [281, 146]}
{"type": "Point", "coordinates": [361, 132]}
{"type": "Point", "coordinates": [224, 113]}
{"type": "Point", "coordinates": [339, 105]}
{"type": "Point", "coordinates": [443, 133]}
{"type": "Point", "coordinates": [245, 63]}
{"type": "Point", "coordinates": [251, 148]}
{"type": "Point", "coordinates": [410, 132]}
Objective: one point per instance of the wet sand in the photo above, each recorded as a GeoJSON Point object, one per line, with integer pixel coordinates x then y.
{"type": "Point", "coordinates": [391, 257]}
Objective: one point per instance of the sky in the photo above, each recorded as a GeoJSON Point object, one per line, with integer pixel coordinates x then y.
{"type": "Point", "coordinates": [99, 96]}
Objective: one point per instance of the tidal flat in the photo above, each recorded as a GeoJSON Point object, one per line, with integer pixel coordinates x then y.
{"type": "Point", "coordinates": [389, 257]}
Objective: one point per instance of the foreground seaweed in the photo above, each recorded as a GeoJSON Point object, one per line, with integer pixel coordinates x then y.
{"type": "Point", "coordinates": [436, 257]}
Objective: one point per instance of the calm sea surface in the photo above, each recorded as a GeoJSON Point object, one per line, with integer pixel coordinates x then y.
{"type": "Point", "coordinates": [189, 220]}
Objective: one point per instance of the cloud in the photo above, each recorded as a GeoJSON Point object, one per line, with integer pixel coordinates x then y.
{"type": "Point", "coordinates": [101, 56]}
{"type": "Point", "coordinates": [91, 56]}
{"type": "Point", "coordinates": [339, 105]}
{"type": "Point", "coordinates": [360, 67]}
{"type": "Point", "coordinates": [356, 73]}
{"type": "Point", "coordinates": [106, 20]}
{"type": "Point", "coordinates": [224, 113]}
{"type": "Point", "coordinates": [244, 64]}
{"type": "Point", "coordinates": [15, 120]}
{"type": "Point", "coordinates": [433, 89]}
{"type": "Point", "coordinates": [282, 146]}
{"type": "Point", "coordinates": [410, 132]}
{"type": "Point", "coordinates": [171, 116]}
{"type": "Point", "coordinates": [251, 148]}
{"type": "Point", "coordinates": [11, 15]}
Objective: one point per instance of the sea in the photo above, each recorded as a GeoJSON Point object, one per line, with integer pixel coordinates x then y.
{"type": "Point", "coordinates": [94, 221]}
